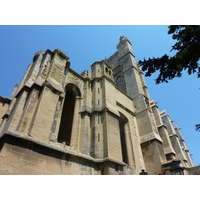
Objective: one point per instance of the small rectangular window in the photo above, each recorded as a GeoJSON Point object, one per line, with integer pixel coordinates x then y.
{"type": "Point", "coordinates": [98, 119]}
{"type": "Point", "coordinates": [98, 137]}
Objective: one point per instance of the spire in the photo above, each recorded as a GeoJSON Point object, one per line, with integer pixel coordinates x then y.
{"type": "Point", "coordinates": [122, 38]}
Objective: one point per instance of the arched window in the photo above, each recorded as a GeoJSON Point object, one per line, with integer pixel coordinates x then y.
{"type": "Point", "coordinates": [66, 123]}
{"type": "Point", "coordinates": [122, 122]}
{"type": "Point", "coordinates": [119, 82]}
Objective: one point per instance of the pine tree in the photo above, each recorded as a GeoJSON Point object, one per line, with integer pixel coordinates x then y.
{"type": "Point", "coordinates": [187, 48]}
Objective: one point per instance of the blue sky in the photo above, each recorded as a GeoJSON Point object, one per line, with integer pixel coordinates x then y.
{"type": "Point", "coordinates": [87, 44]}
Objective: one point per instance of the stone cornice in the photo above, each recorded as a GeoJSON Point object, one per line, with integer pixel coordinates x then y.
{"type": "Point", "coordinates": [95, 109]}
{"type": "Point", "coordinates": [24, 88]}
{"type": "Point", "coordinates": [5, 116]}
{"type": "Point", "coordinates": [108, 59]}
{"type": "Point", "coordinates": [102, 77]}
{"type": "Point", "coordinates": [60, 147]}
{"type": "Point", "coordinates": [103, 62]}
{"type": "Point", "coordinates": [125, 40]}
{"type": "Point", "coordinates": [4, 100]}
{"type": "Point", "coordinates": [161, 125]}
{"type": "Point", "coordinates": [61, 54]}
{"type": "Point", "coordinates": [78, 75]}
{"type": "Point", "coordinates": [150, 136]}
{"type": "Point", "coordinates": [124, 108]}
{"type": "Point", "coordinates": [130, 68]}
{"type": "Point", "coordinates": [173, 134]}
{"type": "Point", "coordinates": [127, 54]}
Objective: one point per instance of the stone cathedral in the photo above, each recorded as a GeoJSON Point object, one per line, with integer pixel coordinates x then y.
{"type": "Point", "coordinates": [102, 122]}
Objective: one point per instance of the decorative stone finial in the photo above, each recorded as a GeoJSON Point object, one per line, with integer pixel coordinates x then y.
{"type": "Point", "coordinates": [122, 38]}
{"type": "Point", "coordinates": [37, 55]}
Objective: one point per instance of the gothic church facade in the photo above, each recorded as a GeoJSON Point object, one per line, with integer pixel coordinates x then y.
{"type": "Point", "coordinates": [102, 122]}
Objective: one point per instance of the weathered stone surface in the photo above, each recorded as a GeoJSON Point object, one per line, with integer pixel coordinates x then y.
{"type": "Point", "coordinates": [98, 123]}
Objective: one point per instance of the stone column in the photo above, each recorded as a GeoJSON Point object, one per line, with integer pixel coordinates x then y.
{"type": "Point", "coordinates": [111, 132]}
{"type": "Point", "coordinates": [16, 112]}
{"type": "Point", "coordinates": [174, 138]}
{"type": "Point", "coordinates": [29, 110]}
{"type": "Point", "coordinates": [98, 137]}
{"type": "Point", "coordinates": [74, 143]}
{"type": "Point", "coordinates": [4, 120]}
{"type": "Point", "coordinates": [137, 151]}
{"type": "Point", "coordinates": [168, 149]}
{"type": "Point", "coordinates": [84, 144]}
{"type": "Point", "coordinates": [130, 153]}
{"type": "Point", "coordinates": [41, 125]}
{"type": "Point", "coordinates": [57, 118]}
{"type": "Point", "coordinates": [177, 147]}
{"type": "Point", "coordinates": [190, 162]}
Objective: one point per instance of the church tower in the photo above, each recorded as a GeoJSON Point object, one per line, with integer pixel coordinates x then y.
{"type": "Point", "coordinates": [154, 135]}
{"type": "Point", "coordinates": [129, 79]}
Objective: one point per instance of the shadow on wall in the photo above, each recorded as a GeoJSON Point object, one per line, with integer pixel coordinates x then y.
{"type": "Point", "coordinates": [65, 130]}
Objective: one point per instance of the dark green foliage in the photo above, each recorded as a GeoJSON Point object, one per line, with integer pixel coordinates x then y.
{"type": "Point", "coordinates": [187, 48]}
{"type": "Point", "coordinates": [197, 126]}
{"type": "Point", "coordinates": [187, 55]}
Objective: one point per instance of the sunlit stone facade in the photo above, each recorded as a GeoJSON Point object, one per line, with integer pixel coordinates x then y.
{"type": "Point", "coordinates": [57, 121]}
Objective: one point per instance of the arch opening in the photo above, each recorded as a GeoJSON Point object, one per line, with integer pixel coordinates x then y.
{"type": "Point", "coordinates": [119, 83]}
{"type": "Point", "coordinates": [67, 116]}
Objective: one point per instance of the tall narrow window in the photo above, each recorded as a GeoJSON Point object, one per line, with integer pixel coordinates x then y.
{"type": "Point", "coordinates": [66, 123]}
{"type": "Point", "coordinates": [122, 122]}
{"type": "Point", "coordinates": [65, 130]}
{"type": "Point", "coordinates": [119, 83]}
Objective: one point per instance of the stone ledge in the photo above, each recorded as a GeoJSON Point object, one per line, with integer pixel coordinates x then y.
{"type": "Point", "coordinates": [103, 77]}
{"type": "Point", "coordinates": [50, 83]}
{"type": "Point", "coordinates": [161, 125]}
{"type": "Point", "coordinates": [78, 75]}
{"type": "Point", "coordinates": [168, 150]}
{"type": "Point", "coordinates": [61, 148]}
{"type": "Point", "coordinates": [101, 108]}
{"type": "Point", "coordinates": [173, 134]}
{"type": "Point", "coordinates": [124, 108]}
{"type": "Point", "coordinates": [150, 136]}
{"type": "Point", "coordinates": [127, 54]}
{"type": "Point", "coordinates": [61, 53]}
{"type": "Point", "coordinates": [4, 100]}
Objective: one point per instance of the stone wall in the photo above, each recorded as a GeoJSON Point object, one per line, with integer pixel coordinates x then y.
{"type": "Point", "coordinates": [194, 170]}
{"type": "Point", "coordinates": [4, 104]}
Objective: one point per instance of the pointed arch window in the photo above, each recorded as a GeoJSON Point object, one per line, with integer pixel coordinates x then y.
{"type": "Point", "coordinates": [66, 123]}
{"type": "Point", "coordinates": [119, 83]}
